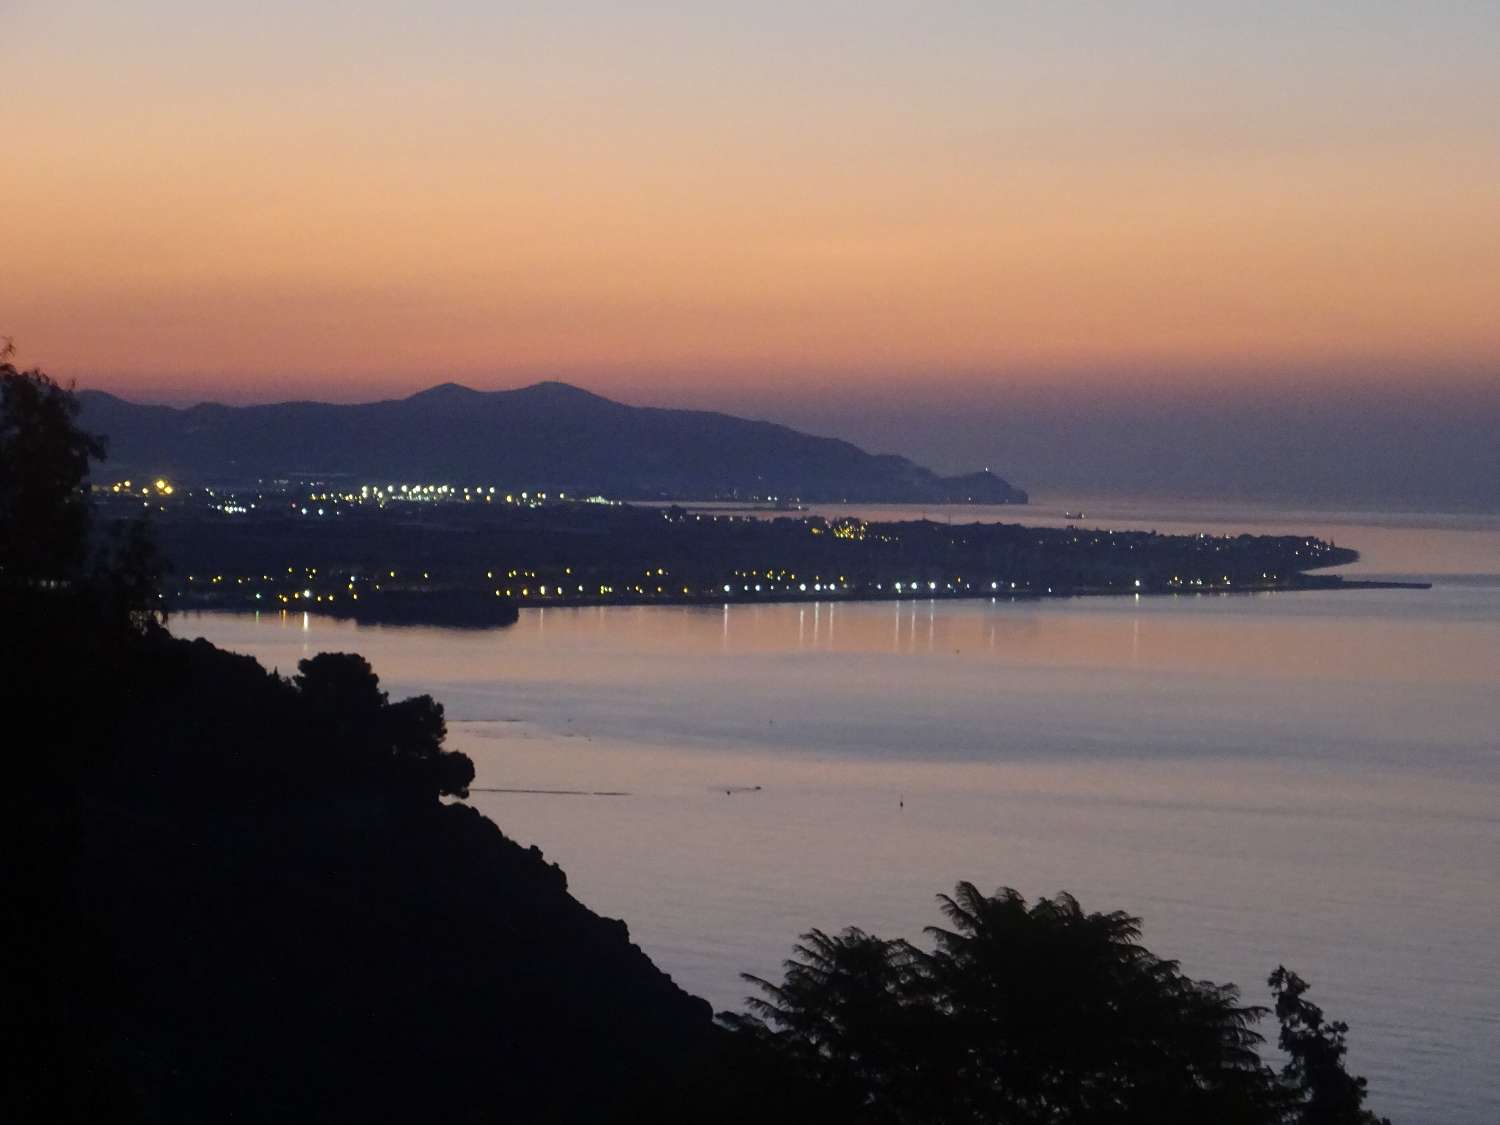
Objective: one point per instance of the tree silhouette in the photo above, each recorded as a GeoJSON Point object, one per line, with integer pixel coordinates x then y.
{"type": "Point", "coordinates": [1036, 1013]}
{"type": "Point", "coordinates": [1064, 1016]}
{"type": "Point", "coordinates": [1326, 1093]}
{"type": "Point", "coordinates": [47, 518]}
{"type": "Point", "coordinates": [852, 1014]}
{"type": "Point", "coordinates": [341, 686]}
{"type": "Point", "coordinates": [397, 747]}
{"type": "Point", "coordinates": [44, 469]}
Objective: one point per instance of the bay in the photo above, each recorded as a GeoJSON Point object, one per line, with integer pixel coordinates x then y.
{"type": "Point", "coordinates": [1306, 778]}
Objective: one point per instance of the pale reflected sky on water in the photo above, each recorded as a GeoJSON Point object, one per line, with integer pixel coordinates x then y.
{"type": "Point", "coordinates": [1311, 778]}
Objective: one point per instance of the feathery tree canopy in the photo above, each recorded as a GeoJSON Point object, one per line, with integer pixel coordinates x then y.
{"type": "Point", "coordinates": [1037, 1014]}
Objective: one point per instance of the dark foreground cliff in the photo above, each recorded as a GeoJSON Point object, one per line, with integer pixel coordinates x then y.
{"type": "Point", "coordinates": [245, 899]}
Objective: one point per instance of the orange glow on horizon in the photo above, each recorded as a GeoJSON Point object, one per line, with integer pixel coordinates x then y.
{"type": "Point", "coordinates": [494, 229]}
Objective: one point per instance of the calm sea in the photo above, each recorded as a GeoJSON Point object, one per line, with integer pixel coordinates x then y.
{"type": "Point", "coordinates": [1310, 779]}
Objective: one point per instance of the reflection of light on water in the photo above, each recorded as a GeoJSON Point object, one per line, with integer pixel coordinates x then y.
{"type": "Point", "coordinates": [1217, 764]}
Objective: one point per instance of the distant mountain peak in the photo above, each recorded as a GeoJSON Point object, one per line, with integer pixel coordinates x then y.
{"type": "Point", "coordinates": [547, 390]}
{"type": "Point", "coordinates": [443, 391]}
{"type": "Point", "coordinates": [557, 390]}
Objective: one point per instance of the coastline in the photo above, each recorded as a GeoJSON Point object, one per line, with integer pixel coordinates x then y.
{"type": "Point", "coordinates": [440, 614]}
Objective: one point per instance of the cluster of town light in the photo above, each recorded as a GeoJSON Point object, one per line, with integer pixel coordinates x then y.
{"type": "Point", "coordinates": [850, 528]}
{"type": "Point", "coordinates": [159, 487]}
{"type": "Point", "coordinates": [324, 501]}
{"type": "Point", "coordinates": [749, 581]}
{"type": "Point", "coordinates": [312, 591]}
{"type": "Point", "coordinates": [428, 493]}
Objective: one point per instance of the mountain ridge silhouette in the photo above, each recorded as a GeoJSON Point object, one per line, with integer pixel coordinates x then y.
{"type": "Point", "coordinates": [547, 435]}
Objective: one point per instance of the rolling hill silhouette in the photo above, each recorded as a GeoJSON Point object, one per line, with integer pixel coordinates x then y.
{"type": "Point", "coordinates": [547, 436]}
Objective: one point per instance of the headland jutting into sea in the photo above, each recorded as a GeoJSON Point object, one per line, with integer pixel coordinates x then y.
{"type": "Point", "coordinates": [474, 557]}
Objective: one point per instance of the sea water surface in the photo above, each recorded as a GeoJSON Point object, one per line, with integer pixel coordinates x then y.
{"type": "Point", "coordinates": [1309, 779]}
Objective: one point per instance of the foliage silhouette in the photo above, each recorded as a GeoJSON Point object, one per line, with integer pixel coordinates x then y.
{"type": "Point", "coordinates": [398, 745]}
{"type": "Point", "coordinates": [1326, 1093]}
{"type": "Point", "coordinates": [50, 548]}
{"type": "Point", "coordinates": [44, 469]}
{"type": "Point", "coordinates": [1030, 1014]}
{"type": "Point", "coordinates": [851, 1017]}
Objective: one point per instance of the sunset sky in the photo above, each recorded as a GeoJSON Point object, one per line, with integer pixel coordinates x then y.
{"type": "Point", "coordinates": [888, 221]}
